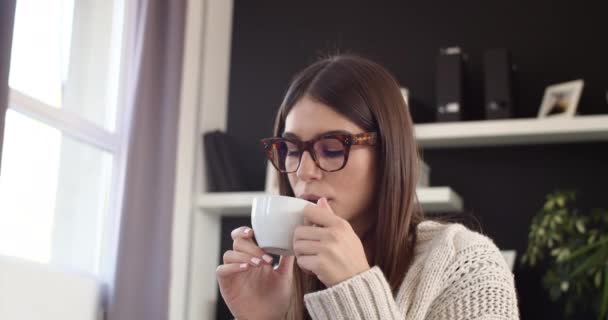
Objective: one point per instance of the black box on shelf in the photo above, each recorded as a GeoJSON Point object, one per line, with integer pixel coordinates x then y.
{"type": "Point", "coordinates": [499, 75]}
{"type": "Point", "coordinates": [450, 84]}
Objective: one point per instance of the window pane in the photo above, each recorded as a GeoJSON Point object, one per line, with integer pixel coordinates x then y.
{"type": "Point", "coordinates": [54, 195]}
{"type": "Point", "coordinates": [66, 54]}
{"type": "Point", "coordinates": [40, 48]}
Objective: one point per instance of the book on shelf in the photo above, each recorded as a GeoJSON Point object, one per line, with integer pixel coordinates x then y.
{"type": "Point", "coordinates": [222, 168]}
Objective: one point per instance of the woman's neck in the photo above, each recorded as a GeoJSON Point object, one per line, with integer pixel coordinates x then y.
{"type": "Point", "coordinates": [369, 246]}
{"type": "Point", "coordinates": [365, 230]}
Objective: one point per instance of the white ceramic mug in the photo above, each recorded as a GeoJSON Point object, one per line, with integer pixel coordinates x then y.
{"type": "Point", "coordinates": [274, 219]}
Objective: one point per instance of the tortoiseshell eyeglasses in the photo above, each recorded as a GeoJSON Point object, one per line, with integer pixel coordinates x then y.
{"type": "Point", "coordinates": [329, 151]}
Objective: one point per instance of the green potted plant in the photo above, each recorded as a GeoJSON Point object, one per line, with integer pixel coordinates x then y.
{"type": "Point", "coordinates": [574, 247]}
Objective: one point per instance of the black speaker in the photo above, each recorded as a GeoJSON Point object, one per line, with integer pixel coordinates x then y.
{"type": "Point", "coordinates": [450, 85]}
{"type": "Point", "coordinates": [499, 74]}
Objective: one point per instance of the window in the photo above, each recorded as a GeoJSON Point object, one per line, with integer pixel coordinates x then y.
{"type": "Point", "coordinates": [64, 140]}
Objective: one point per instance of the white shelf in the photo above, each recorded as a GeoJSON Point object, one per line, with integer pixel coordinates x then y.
{"type": "Point", "coordinates": [513, 131]}
{"type": "Point", "coordinates": [433, 199]}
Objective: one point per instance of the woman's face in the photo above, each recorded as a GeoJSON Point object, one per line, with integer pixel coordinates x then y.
{"type": "Point", "coordinates": [349, 191]}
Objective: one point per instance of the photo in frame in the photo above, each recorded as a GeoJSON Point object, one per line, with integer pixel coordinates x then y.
{"type": "Point", "coordinates": [561, 100]}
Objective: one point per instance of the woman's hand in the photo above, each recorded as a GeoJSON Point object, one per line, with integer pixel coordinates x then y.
{"type": "Point", "coordinates": [250, 286]}
{"type": "Point", "coordinates": [328, 246]}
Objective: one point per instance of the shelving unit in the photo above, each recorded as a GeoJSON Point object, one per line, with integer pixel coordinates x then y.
{"type": "Point", "coordinates": [512, 132]}
{"type": "Point", "coordinates": [432, 199]}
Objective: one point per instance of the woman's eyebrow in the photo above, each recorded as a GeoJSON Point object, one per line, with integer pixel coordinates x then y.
{"type": "Point", "coordinates": [291, 135]}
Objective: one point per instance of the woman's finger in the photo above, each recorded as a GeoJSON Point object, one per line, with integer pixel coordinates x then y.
{"type": "Point", "coordinates": [248, 247]}
{"type": "Point", "coordinates": [243, 242]}
{"type": "Point", "coordinates": [309, 233]}
{"type": "Point", "coordinates": [306, 247]}
{"type": "Point", "coordinates": [226, 270]}
{"type": "Point", "coordinates": [319, 216]}
{"type": "Point", "coordinates": [232, 256]}
{"type": "Point", "coordinates": [242, 232]}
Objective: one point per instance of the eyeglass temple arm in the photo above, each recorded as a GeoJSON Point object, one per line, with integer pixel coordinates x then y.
{"type": "Point", "coordinates": [368, 138]}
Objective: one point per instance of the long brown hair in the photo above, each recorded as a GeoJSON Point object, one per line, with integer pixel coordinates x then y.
{"type": "Point", "coordinates": [365, 93]}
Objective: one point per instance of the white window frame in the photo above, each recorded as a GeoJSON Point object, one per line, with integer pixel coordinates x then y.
{"type": "Point", "coordinates": [92, 134]}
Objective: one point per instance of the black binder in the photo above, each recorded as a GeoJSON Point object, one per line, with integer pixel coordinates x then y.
{"type": "Point", "coordinates": [222, 167]}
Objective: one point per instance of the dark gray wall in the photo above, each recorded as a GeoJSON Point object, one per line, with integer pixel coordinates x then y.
{"type": "Point", "coordinates": [551, 41]}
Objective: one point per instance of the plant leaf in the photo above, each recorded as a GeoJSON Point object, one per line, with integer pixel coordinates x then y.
{"type": "Point", "coordinates": [585, 249]}
{"type": "Point", "coordinates": [604, 300]}
{"type": "Point", "coordinates": [591, 238]}
{"type": "Point", "coordinates": [561, 201]}
{"type": "Point", "coordinates": [597, 258]}
{"type": "Point", "coordinates": [563, 255]}
{"type": "Point", "coordinates": [580, 226]}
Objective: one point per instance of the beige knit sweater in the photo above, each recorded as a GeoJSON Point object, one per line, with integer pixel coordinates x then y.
{"type": "Point", "coordinates": [456, 274]}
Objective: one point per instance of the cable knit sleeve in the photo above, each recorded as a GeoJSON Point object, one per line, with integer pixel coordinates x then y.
{"type": "Point", "coordinates": [364, 296]}
{"type": "Point", "coordinates": [457, 274]}
{"type": "Point", "coordinates": [477, 285]}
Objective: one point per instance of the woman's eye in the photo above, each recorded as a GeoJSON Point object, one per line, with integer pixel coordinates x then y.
{"type": "Point", "coordinates": [333, 153]}
{"type": "Point", "coordinates": [293, 153]}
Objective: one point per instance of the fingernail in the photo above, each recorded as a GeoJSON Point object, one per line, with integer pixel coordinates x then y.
{"type": "Point", "coordinates": [246, 231]}
{"type": "Point", "coordinates": [256, 261]}
{"type": "Point", "coordinates": [243, 266]}
{"type": "Point", "coordinates": [267, 258]}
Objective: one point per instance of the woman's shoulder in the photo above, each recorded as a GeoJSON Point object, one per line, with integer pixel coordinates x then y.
{"type": "Point", "coordinates": [457, 247]}
{"type": "Point", "coordinates": [453, 237]}
{"type": "Point", "coordinates": [465, 264]}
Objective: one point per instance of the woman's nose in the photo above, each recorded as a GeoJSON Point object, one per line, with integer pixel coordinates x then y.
{"type": "Point", "coordinates": [308, 169]}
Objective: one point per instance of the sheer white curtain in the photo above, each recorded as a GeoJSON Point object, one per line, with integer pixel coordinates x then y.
{"type": "Point", "coordinates": [141, 284]}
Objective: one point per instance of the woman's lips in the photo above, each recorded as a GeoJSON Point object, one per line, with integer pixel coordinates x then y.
{"type": "Point", "coordinates": [312, 197]}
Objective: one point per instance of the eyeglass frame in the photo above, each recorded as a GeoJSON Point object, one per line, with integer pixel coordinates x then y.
{"type": "Point", "coordinates": [348, 140]}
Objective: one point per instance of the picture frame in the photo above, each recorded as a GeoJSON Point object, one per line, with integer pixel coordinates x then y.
{"type": "Point", "coordinates": [406, 94]}
{"type": "Point", "coordinates": [272, 182]}
{"type": "Point", "coordinates": [561, 100]}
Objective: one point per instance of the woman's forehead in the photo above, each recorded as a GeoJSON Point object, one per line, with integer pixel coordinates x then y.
{"type": "Point", "coordinates": [309, 118]}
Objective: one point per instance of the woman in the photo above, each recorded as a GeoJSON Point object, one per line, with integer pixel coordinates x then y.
{"type": "Point", "coordinates": [344, 139]}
